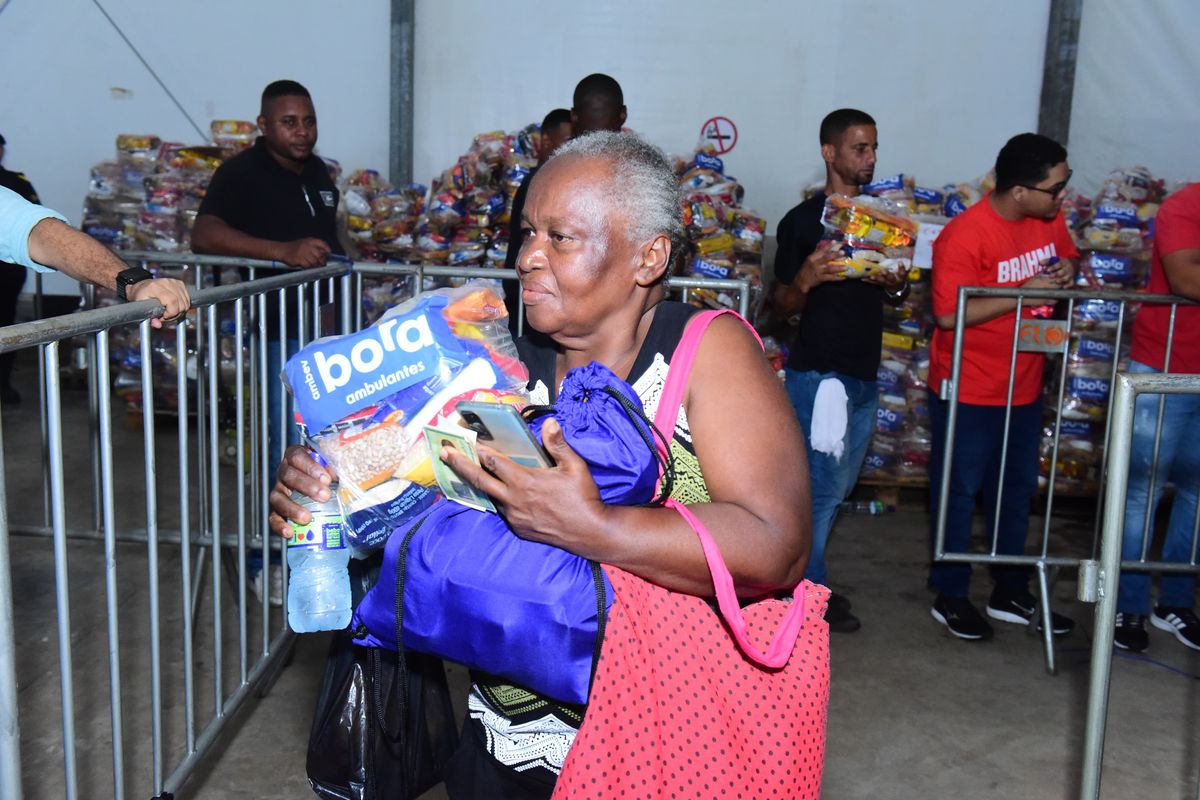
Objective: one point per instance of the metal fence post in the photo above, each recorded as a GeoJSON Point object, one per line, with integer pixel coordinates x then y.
{"type": "Point", "coordinates": [1110, 569]}
{"type": "Point", "coordinates": [10, 731]}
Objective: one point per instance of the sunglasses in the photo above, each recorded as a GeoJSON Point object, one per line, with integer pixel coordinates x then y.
{"type": "Point", "coordinates": [1054, 190]}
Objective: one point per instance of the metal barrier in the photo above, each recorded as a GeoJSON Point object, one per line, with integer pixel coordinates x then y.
{"type": "Point", "coordinates": [1026, 338]}
{"type": "Point", "coordinates": [204, 517]}
{"type": "Point", "coordinates": [205, 389]}
{"type": "Point", "coordinates": [1128, 388]}
{"type": "Point", "coordinates": [740, 288]}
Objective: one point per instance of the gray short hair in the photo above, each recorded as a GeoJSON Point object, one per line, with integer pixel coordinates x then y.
{"type": "Point", "coordinates": [644, 184]}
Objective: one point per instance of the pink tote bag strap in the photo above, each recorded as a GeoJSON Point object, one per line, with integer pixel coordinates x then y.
{"type": "Point", "coordinates": [681, 367]}
{"type": "Point", "coordinates": [669, 403]}
{"type": "Point", "coordinates": [777, 653]}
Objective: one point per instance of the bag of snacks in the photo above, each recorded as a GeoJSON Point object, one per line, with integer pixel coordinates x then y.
{"type": "Point", "coordinates": [362, 400]}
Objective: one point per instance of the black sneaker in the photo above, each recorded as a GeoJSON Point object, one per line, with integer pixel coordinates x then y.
{"type": "Point", "coordinates": [961, 618]}
{"type": "Point", "coordinates": [1130, 633]}
{"type": "Point", "coordinates": [1180, 621]}
{"type": "Point", "coordinates": [1021, 608]}
{"type": "Point", "coordinates": [838, 616]}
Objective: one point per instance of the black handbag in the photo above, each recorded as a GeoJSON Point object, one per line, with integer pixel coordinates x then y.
{"type": "Point", "coordinates": [383, 727]}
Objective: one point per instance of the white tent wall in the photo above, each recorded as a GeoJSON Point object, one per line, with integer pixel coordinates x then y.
{"type": "Point", "coordinates": [947, 82]}
{"type": "Point", "coordinates": [71, 84]}
{"type": "Point", "coordinates": [1136, 99]}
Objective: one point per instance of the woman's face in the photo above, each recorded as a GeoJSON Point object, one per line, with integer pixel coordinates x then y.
{"type": "Point", "coordinates": [576, 264]}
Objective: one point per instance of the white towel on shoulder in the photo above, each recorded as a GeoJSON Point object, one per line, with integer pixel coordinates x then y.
{"type": "Point", "coordinates": [829, 418]}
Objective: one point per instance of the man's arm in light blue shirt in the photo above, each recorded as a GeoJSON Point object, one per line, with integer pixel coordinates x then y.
{"type": "Point", "coordinates": [18, 217]}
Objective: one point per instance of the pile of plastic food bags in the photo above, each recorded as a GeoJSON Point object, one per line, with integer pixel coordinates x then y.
{"type": "Point", "coordinates": [1114, 235]}
{"type": "Point", "coordinates": [147, 199]}
{"type": "Point", "coordinates": [726, 239]}
{"type": "Point", "coordinates": [879, 232]}
{"type": "Point", "coordinates": [363, 400]}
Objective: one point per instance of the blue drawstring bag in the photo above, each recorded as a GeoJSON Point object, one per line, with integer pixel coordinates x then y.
{"type": "Point", "coordinates": [476, 593]}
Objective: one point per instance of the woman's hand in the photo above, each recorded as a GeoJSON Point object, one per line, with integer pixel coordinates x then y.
{"type": "Point", "coordinates": [560, 506]}
{"type": "Point", "coordinates": [298, 472]}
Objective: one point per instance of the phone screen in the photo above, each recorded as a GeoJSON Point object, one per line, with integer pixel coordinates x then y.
{"type": "Point", "coordinates": [501, 426]}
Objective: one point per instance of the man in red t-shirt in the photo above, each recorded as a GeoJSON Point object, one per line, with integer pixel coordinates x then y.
{"type": "Point", "coordinates": [1014, 237]}
{"type": "Point", "coordinates": [1174, 269]}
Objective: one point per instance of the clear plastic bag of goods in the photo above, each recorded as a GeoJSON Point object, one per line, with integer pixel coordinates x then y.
{"type": "Point", "coordinates": [234, 135]}
{"type": "Point", "coordinates": [363, 399]}
{"type": "Point", "coordinates": [1099, 269]}
{"type": "Point", "coordinates": [747, 229]}
{"type": "Point", "coordinates": [1116, 226]}
{"type": "Point", "coordinates": [1086, 396]}
{"type": "Point", "coordinates": [898, 189]}
{"type": "Point", "coordinates": [138, 150]}
{"type": "Point", "coordinates": [1079, 454]}
{"type": "Point", "coordinates": [866, 222]}
{"type": "Point", "coordinates": [1101, 316]}
{"type": "Point", "coordinates": [928, 201]}
{"type": "Point", "coordinates": [1135, 185]}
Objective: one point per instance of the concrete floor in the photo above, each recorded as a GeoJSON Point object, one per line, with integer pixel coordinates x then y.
{"type": "Point", "coordinates": [914, 712]}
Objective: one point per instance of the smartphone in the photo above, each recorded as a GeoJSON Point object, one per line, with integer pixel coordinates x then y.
{"type": "Point", "coordinates": [501, 426]}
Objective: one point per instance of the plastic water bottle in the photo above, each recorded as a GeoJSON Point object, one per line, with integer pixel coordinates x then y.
{"type": "Point", "coordinates": [319, 583]}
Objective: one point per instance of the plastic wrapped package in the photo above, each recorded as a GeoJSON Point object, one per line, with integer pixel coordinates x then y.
{"type": "Point", "coordinates": [898, 189]}
{"type": "Point", "coordinates": [928, 201]}
{"type": "Point", "coordinates": [868, 223]}
{"type": "Point", "coordinates": [138, 150]}
{"type": "Point", "coordinates": [702, 216]}
{"type": "Point", "coordinates": [363, 400]}
{"type": "Point", "coordinates": [469, 247]}
{"type": "Point", "coordinates": [748, 230]}
{"type": "Point", "coordinates": [234, 135]}
{"type": "Point", "coordinates": [1100, 269]}
{"type": "Point", "coordinates": [1114, 226]}
{"type": "Point", "coordinates": [1100, 316]}
{"type": "Point", "coordinates": [1133, 185]}
{"type": "Point", "coordinates": [1079, 456]}
{"type": "Point", "coordinates": [497, 251]}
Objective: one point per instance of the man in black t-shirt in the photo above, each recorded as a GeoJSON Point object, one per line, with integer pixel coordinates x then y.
{"type": "Point", "coordinates": [841, 324]}
{"type": "Point", "coordinates": [598, 104]}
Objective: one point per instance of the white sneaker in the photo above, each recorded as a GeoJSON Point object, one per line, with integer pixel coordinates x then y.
{"type": "Point", "coordinates": [276, 573]}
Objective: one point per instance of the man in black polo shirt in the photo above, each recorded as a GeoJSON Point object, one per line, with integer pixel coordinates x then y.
{"type": "Point", "coordinates": [274, 201]}
{"type": "Point", "coordinates": [841, 325]}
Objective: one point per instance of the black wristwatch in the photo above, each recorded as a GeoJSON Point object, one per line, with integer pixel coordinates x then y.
{"type": "Point", "coordinates": [129, 277]}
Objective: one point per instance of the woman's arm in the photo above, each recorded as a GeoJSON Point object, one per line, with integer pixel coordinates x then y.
{"type": "Point", "coordinates": [752, 455]}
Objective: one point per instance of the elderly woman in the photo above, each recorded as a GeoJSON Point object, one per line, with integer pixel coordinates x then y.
{"type": "Point", "coordinates": [601, 227]}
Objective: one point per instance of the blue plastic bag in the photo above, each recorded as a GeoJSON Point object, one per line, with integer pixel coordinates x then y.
{"type": "Point", "coordinates": [476, 593]}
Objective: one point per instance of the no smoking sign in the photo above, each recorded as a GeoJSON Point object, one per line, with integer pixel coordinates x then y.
{"type": "Point", "coordinates": [721, 133]}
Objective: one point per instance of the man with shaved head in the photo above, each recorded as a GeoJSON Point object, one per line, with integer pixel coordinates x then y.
{"type": "Point", "coordinates": [597, 105]}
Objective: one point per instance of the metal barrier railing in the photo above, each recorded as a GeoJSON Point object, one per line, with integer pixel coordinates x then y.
{"type": "Point", "coordinates": [1116, 320]}
{"type": "Point", "coordinates": [204, 487]}
{"type": "Point", "coordinates": [1121, 434]}
{"type": "Point", "coordinates": [740, 288]}
{"type": "Point", "coordinates": [247, 311]}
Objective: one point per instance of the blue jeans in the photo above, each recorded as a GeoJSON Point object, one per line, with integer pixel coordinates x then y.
{"type": "Point", "coordinates": [1178, 461]}
{"type": "Point", "coordinates": [832, 479]}
{"type": "Point", "coordinates": [978, 442]}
